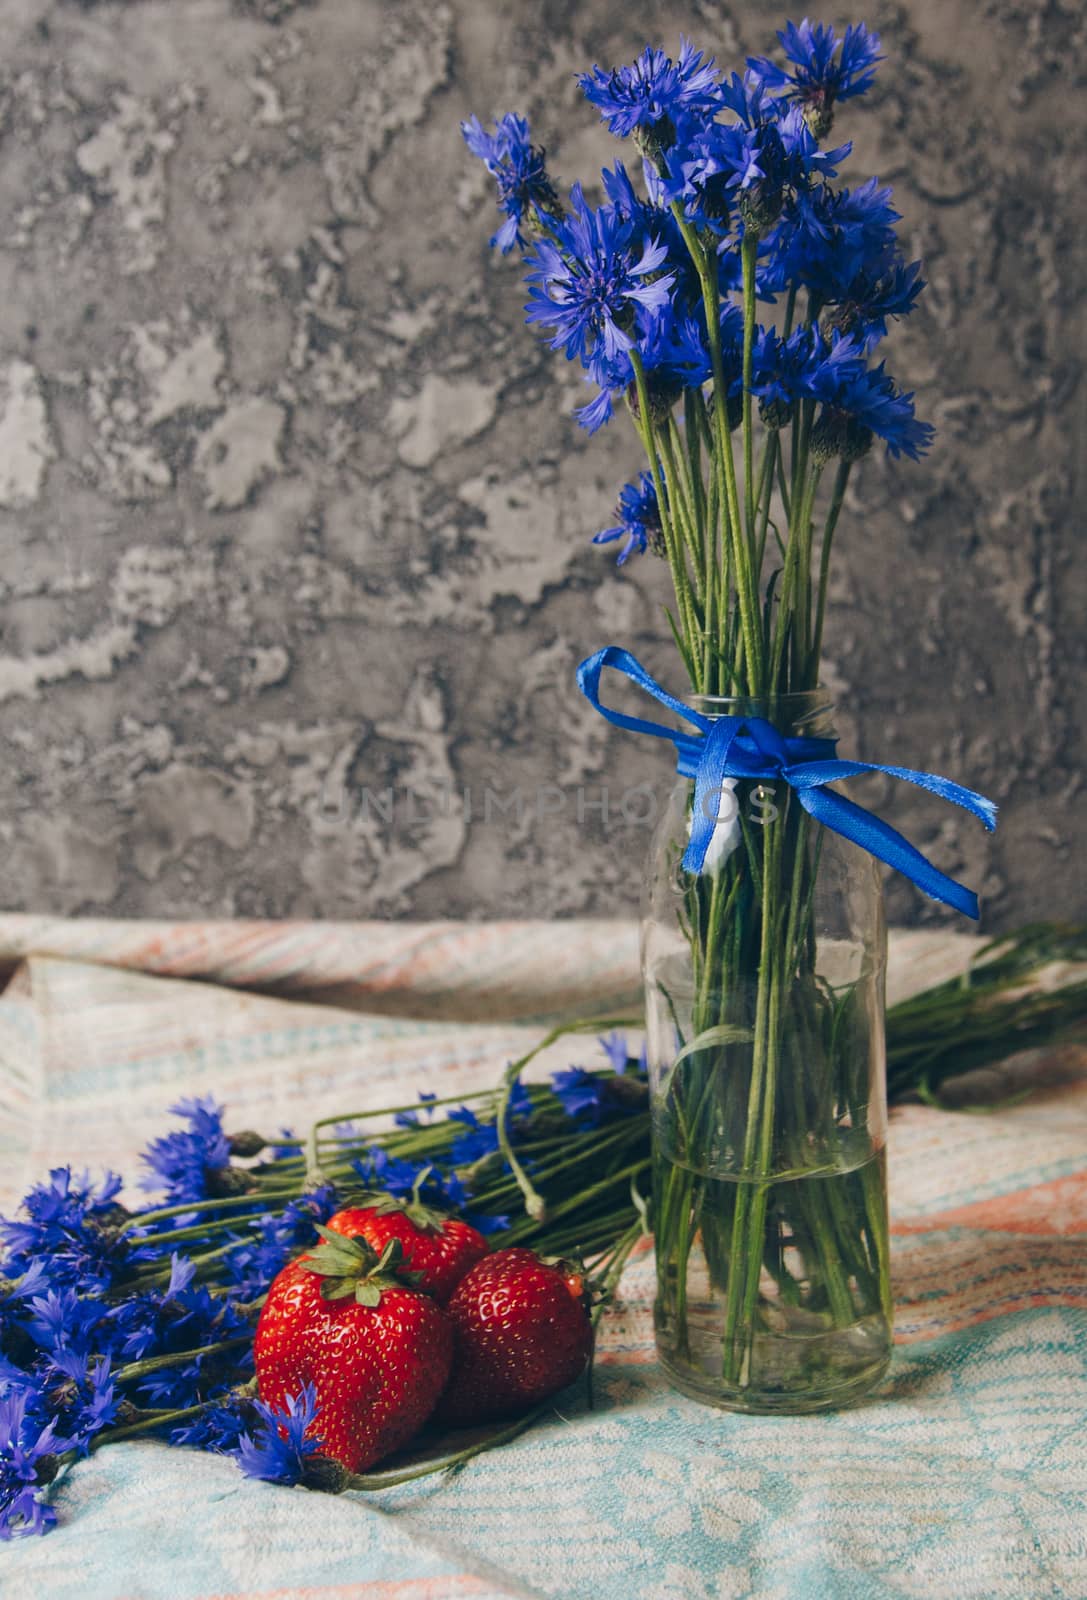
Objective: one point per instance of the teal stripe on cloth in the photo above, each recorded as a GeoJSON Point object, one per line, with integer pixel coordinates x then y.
{"type": "Point", "coordinates": [963, 1477]}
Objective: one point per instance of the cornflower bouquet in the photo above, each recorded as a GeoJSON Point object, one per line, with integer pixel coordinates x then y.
{"type": "Point", "coordinates": [732, 296]}
{"type": "Point", "coordinates": [117, 1323]}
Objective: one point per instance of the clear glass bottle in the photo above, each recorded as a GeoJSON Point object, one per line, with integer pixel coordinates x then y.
{"type": "Point", "coordinates": [764, 981]}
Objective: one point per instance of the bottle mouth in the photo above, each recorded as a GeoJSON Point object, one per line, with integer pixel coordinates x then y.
{"type": "Point", "coordinates": [795, 711]}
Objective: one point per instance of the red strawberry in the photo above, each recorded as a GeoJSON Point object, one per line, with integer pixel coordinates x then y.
{"type": "Point", "coordinates": [440, 1249]}
{"type": "Point", "coordinates": [522, 1332]}
{"type": "Point", "coordinates": [377, 1349]}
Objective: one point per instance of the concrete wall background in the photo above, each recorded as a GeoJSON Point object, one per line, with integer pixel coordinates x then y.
{"type": "Point", "coordinates": [291, 504]}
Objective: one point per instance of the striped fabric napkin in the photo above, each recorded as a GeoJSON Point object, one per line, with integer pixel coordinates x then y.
{"type": "Point", "coordinates": [965, 1475]}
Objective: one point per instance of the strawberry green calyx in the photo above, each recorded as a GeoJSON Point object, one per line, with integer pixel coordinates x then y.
{"type": "Point", "coordinates": [352, 1269]}
{"type": "Point", "coordinates": [424, 1217]}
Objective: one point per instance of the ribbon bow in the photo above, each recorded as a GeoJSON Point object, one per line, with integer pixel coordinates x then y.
{"type": "Point", "coordinates": [727, 748]}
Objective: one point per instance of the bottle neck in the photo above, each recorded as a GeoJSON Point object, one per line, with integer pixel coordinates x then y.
{"type": "Point", "coordinates": [807, 715]}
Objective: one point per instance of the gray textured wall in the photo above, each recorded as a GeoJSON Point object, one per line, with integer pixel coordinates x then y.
{"type": "Point", "coordinates": [291, 504]}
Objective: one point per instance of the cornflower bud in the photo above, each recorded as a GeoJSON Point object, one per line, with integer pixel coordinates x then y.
{"type": "Point", "coordinates": [828, 435]}
{"type": "Point", "coordinates": [663, 392]}
{"type": "Point", "coordinates": [246, 1143]}
{"type": "Point", "coordinates": [776, 413]}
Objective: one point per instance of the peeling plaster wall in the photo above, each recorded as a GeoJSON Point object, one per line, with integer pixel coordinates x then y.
{"type": "Point", "coordinates": [292, 507]}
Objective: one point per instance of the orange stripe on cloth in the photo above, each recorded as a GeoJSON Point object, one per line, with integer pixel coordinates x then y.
{"type": "Point", "coordinates": [944, 1281]}
{"type": "Point", "coordinates": [436, 1588]}
{"type": "Point", "coordinates": [1058, 1207]}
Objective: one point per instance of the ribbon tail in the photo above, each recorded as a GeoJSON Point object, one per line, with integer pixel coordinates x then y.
{"type": "Point", "coordinates": [888, 845]}
{"type": "Point", "coordinates": [709, 786]}
{"type": "Point", "coordinates": [814, 773]}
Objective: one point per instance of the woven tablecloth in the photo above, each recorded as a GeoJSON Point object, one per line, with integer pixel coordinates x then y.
{"type": "Point", "coordinates": [963, 1477]}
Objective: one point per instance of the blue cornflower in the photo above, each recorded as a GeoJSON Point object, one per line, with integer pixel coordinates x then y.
{"type": "Point", "coordinates": [273, 1240]}
{"type": "Point", "coordinates": [828, 236]}
{"type": "Point", "coordinates": [618, 1054]}
{"type": "Point", "coordinates": [775, 362]}
{"type": "Point", "coordinates": [187, 1164]}
{"type": "Point", "coordinates": [654, 221]}
{"type": "Point", "coordinates": [859, 402]}
{"type": "Point", "coordinates": [761, 160]}
{"type": "Point", "coordinates": [818, 79]}
{"type": "Point", "coordinates": [649, 95]}
{"type": "Point", "coordinates": [675, 356]}
{"type": "Point", "coordinates": [596, 413]}
{"type": "Point", "coordinates": [407, 1179]}
{"type": "Point", "coordinates": [284, 1152]}
{"type": "Point", "coordinates": [480, 1140]}
{"type": "Point", "coordinates": [410, 1119]}
{"type": "Point", "coordinates": [589, 1098]}
{"type": "Point", "coordinates": [446, 1190]}
{"type": "Point", "coordinates": [67, 1233]}
{"type": "Point", "coordinates": [61, 1319]}
{"type": "Point", "coordinates": [487, 1225]}
{"type": "Point", "coordinates": [871, 297]}
{"type": "Point", "coordinates": [524, 189]}
{"type": "Point", "coordinates": [598, 292]}
{"type": "Point", "coordinates": [26, 1446]}
{"type": "Point", "coordinates": [614, 1046]}
{"type": "Point", "coordinates": [183, 1316]}
{"type": "Point", "coordinates": [35, 1280]}
{"type": "Point", "coordinates": [81, 1398]}
{"type": "Point", "coordinates": [841, 246]}
{"type": "Point", "coordinates": [284, 1442]}
{"type": "Point", "coordinates": [581, 1094]}
{"type": "Point", "coordinates": [219, 1429]}
{"type": "Point", "coordinates": [639, 521]}
{"type": "Point", "coordinates": [381, 1170]}
{"type": "Point", "coordinates": [784, 370]}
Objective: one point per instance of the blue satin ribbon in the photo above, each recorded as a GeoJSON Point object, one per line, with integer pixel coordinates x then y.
{"type": "Point", "coordinates": [727, 748]}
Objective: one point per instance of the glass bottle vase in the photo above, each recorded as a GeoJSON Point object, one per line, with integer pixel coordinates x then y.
{"type": "Point", "coordinates": [764, 981]}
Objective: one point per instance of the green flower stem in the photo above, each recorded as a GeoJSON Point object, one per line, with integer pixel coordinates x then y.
{"type": "Point", "coordinates": [147, 1279]}
{"type": "Point", "coordinates": [583, 1147]}
{"type": "Point", "coordinates": [692, 449]}
{"type": "Point", "coordinates": [785, 475]}
{"type": "Point", "coordinates": [370, 1482]}
{"type": "Point", "coordinates": [201, 1231]}
{"type": "Point", "coordinates": [534, 1203]}
{"type": "Point", "coordinates": [575, 1202]}
{"type": "Point", "coordinates": [804, 530]}
{"type": "Point", "coordinates": [841, 482]}
{"type": "Point", "coordinates": [677, 559]}
{"type": "Point", "coordinates": [313, 1165]}
{"type": "Point", "coordinates": [581, 1241]}
{"type": "Point", "coordinates": [790, 313]}
{"type": "Point", "coordinates": [802, 425]}
{"type": "Point", "coordinates": [746, 1250]}
{"type": "Point", "coordinates": [148, 1424]}
{"type": "Point", "coordinates": [617, 1259]}
{"type": "Point", "coordinates": [765, 492]}
{"type": "Point", "coordinates": [791, 602]}
{"type": "Point", "coordinates": [749, 250]}
{"type": "Point", "coordinates": [139, 1369]}
{"type": "Point", "coordinates": [683, 502]}
{"type": "Point", "coordinates": [161, 1213]}
{"type": "Point", "coordinates": [741, 551]}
